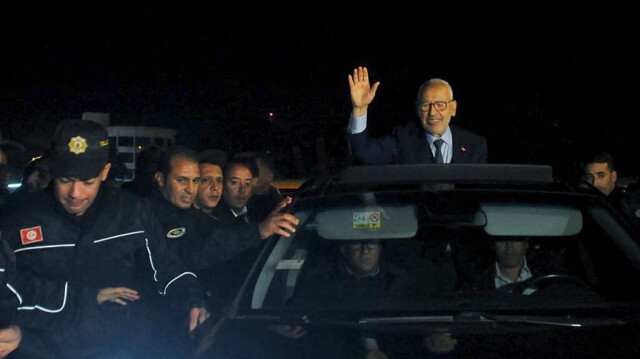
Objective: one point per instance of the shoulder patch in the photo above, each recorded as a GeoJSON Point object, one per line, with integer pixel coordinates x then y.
{"type": "Point", "coordinates": [176, 232]}
{"type": "Point", "coordinates": [31, 235]}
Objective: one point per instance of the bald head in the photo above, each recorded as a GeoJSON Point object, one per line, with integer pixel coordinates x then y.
{"type": "Point", "coordinates": [433, 82]}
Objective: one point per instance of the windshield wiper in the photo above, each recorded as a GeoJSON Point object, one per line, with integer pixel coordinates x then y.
{"type": "Point", "coordinates": [408, 319]}
{"type": "Point", "coordinates": [563, 321]}
{"type": "Point", "coordinates": [473, 317]}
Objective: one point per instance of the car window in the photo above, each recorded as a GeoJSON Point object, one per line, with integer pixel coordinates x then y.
{"type": "Point", "coordinates": [443, 251]}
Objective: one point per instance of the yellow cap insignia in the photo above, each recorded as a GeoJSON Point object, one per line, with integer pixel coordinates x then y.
{"type": "Point", "coordinates": [77, 145]}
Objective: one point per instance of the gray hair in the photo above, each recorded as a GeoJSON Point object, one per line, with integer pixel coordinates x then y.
{"type": "Point", "coordinates": [431, 82]}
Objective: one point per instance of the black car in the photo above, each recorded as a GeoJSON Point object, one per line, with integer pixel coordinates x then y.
{"type": "Point", "coordinates": [460, 261]}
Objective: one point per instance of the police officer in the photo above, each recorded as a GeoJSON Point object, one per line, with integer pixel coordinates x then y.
{"type": "Point", "coordinates": [206, 244]}
{"type": "Point", "coordinates": [101, 253]}
{"type": "Point", "coordinates": [600, 172]}
{"type": "Point", "coordinates": [10, 335]}
{"type": "Point", "coordinates": [201, 240]}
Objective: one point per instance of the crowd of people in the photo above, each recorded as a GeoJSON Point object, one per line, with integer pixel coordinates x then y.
{"type": "Point", "coordinates": [90, 269]}
{"type": "Point", "coordinates": [98, 271]}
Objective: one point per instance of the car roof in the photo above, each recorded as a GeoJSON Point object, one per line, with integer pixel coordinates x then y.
{"type": "Point", "coordinates": [447, 173]}
{"type": "Point", "coordinates": [404, 176]}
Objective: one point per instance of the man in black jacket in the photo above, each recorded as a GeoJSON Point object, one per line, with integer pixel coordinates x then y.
{"type": "Point", "coordinates": [359, 278]}
{"type": "Point", "coordinates": [600, 172]}
{"type": "Point", "coordinates": [98, 255]}
{"type": "Point", "coordinates": [207, 245]}
{"type": "Point", "coordinates": [240, 177]}
{"type": "Point", "coordinates": [431, 140]}
{"type": "Point", "coordinates": [200, 239]}
{"type": "Point", "coordinates": [10, 335]}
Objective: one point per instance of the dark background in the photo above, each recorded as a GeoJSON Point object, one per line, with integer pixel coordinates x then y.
{"type": "Point", "coordinates": [542, 89]}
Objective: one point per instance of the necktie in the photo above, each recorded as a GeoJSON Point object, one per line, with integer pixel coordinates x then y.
{"type": "Point", "coordinates": [438, 143]}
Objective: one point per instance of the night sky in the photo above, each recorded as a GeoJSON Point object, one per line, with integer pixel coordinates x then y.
{"type": "Point", "coordinates": [541, 91]}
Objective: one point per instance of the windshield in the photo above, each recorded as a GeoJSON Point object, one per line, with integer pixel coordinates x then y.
{"type": "Point", "coordinates": [442, 253]}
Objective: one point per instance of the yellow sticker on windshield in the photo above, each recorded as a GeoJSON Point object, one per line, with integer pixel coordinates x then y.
{"type": "Point", "coordinates": [366, 220]}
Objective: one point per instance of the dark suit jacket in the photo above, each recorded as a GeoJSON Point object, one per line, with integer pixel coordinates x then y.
{"type": "Point", "coordinates": [409, 145]}
{"type": "Point", "coordinates": [223, 213]}
{"type": "Point", "coordinates": [336, 287]}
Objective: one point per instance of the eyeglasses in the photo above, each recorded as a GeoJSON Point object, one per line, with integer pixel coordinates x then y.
{"type": "Point", "coordinates": [439, 105]}
{"type": "Point", "coordinates": [367, 245]}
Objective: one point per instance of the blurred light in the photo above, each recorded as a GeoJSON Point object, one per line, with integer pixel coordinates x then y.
{"type": "Point", "coordinates": [271, 114]}
{"type": "Point", "coordinates": [14, 185]}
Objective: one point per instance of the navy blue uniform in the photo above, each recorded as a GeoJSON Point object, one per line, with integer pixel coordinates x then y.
{"type": "Point", "coordinates": [9, 299]}
{"type": "Point", "coordinates": [200, 240]}
{"type": "Point", "coordinates": [220, 252]}
{"type": "Point", "coordinates": [117, 242]}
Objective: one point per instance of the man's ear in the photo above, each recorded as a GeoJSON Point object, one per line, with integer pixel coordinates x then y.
{"type": "Point", "coordinates": [614, 176]}
{"type": "Point", "coordinates": [159, 177]}
{"type": "Point", "coordinates": [454, 107]}
{"type": "Point", "coordinates": [105, 172]}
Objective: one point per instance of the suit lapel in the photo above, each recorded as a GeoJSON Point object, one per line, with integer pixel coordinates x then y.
{"type": "Point", "coordinates": [421, 149]}
{"type": "Point", "coordinates": [420, 146]}
{"type": "Point", "coordinates": [457, 148]}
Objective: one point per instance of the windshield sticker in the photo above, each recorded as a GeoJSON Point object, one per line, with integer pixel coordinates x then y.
{"type": "Point", "coordinates": [366, 220]}
{"type": "Point", "coordinates": [290, 264]}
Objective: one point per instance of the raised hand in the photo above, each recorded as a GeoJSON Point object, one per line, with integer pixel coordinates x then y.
{"type": "Point", "coordinates": [362, 93]}
{"type": "Point", "coordinates": [283, 224]}
{"type": "Point", "coordinates": [279, 223]}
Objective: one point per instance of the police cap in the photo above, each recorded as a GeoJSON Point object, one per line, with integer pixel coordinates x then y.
{"type": "Point", "coordinates": [80, 149]}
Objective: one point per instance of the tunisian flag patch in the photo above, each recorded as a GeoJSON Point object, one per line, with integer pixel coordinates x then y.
{"type": "Point", "coordinates": [31, 235]}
